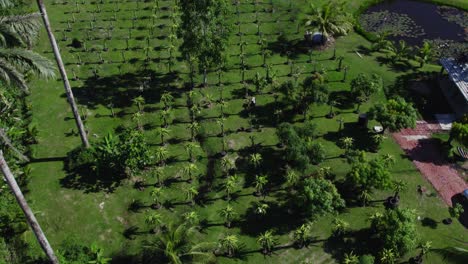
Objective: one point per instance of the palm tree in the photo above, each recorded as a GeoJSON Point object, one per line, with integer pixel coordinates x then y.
{"type": "Point", "coordinates": [425, 54]}
{"type": "Point", "coordinates": [162, 132]}
{"type": "Point", "coordinates": [261, 209]}
{"type": "Point", "coordinates": [156, 194]}
{"type": "Point", "coordinates": [260, 182]}
{"type": "Point", "coordinates": [177, 245]}
{"type": "Point", "coordinates": [166, 115]}
{"type": "Point", "coordinates": [167, 99]}
{"type": "Point", "coordinates": [220, 122]}
{"type": "Point", "coordinates": [191, 192]}
{"type": "Point", "coordinates": [137, 118]}
{"type": "Point", "coordinates": [153, 221]}
{"type": "Point", "coordinates": [330, 19]}
{"type": "Point", "coordinates": [398, 186]}
{"type": "Point", "coordinates": [382, 42]}
{"type": "Point", "coordinates": [347, 143]}
{"type": "Point", "coordinates": [161, 154]}
{"type": "Point", "coordinates": [98, 255]}
{"type": "Point", "coordinates": [228, 214]}
{"type": "Point", "coordinates": [229, 244]}
{"type": "Point", "coordinates": [6, 140]}
{"type": "Point", "coordinates": [292, 178]}
{"type": "Point", "coordinates": [350, 258]}
{"type": "Point", "coordinates": [139, 101]}
{"type": "Point", "coordinates": [266, 242]}
{"type": "Point", "coordinates": [190, 148]}
{"type": "Point", "coordinates": [226, 164]}
{"type": "Point", "coordinates": [32, 221]}
{"type": "Point", "coordinates": [256, 159]}
{"type": "Point", "coordinates": [63, 73]}
{"type": "Point", "coordinates": [365, 197]}
{"type": "Point", "coordinates": [230, 185]}
{"type": "Point", "coordinates": [191, 218]}
{"type": "Point", "coordinates": [190, 169]}
{"type": "Point", "coordinates": [399, 52]}
{"type": "Point", "coordinates": [158, 173]}
{"type": "Point", "coordinates": [194, 127]}
{"type": "Point", "coordinates": [387, 256]}
{"type": "Point", "coordinates": [425, 248]}
{"type": "Point", "coordinates": [302, 235]}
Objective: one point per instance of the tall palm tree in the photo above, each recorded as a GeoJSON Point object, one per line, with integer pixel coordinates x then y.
{"type": "Point", "coordinates": [63, 73]}
{"type": "Point", "coordinates": [190, 148]}
{"type": "Point", "coordinates": [163, 132]}
{"type": "Point", "coordinates": [260, 182]}
{"type": "Point", "coordinates": [329, 19]}
{"type": "Point", "coordinates": [230, 185]}
{"type": "Point", "coordinates": [32, 221]}
{"type": "Point", "coordinates": [177, 246]}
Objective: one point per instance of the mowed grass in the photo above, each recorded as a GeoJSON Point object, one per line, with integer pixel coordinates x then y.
{"type": "Point", "coordinates": [66, 210]}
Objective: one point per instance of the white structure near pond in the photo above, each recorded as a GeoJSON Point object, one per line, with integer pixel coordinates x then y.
{"type": "Point", "coordinates": [455, 88]}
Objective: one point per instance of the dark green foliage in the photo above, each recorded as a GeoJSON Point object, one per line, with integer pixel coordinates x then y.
{"type": "Point", "coordinates": [204, 31]}
{"type": "Point", "coordinates": [459, 132]}
{"type": "Point", "coordinates": [395, 115]}
{"type": "Point", "coordinates": [365, 86]}
{"type": "Point", "coordinates": [301, 149]}
{"type": "Point", "coordinates": [368, 174]}
{"type": "Point", "coordinates": [71, 251]}
{"type": "Point", "coordinates": [127, 153]}
{"type": "Point", "coordinates": [319, 196]}
{"type": "Point", "coordinates": [366, 259]}
{"type": "Point", "coordinates": [396, 229]}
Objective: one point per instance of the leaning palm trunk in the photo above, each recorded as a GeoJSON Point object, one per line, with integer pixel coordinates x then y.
{"type": "Point", "coordinates": [6, 140]}
{"type": "Point", "coordinates": [10, 179]}
{"type": "Point", "coordinates": [63, 73]}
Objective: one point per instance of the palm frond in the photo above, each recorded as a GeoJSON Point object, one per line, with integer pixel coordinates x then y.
{"type": "Point", "coordinates": [19, 30]}
{"type": "Point", "coordinates": [10, 75]}
{"type": "Point", "coordinates": [5, 3]}
{"type": "Point", "coordinates": [28, 61]}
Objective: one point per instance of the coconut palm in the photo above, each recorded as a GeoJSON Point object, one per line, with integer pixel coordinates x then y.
{"type": "Point", "coordinates": [398, 186]}
{"type": "Point", "coordinates": [292, 178]}
{"type": "Point", "coordinates": [340, 227]}
{"type": "Point", "coordinates": [31, 219]}
{"type": "Point", "coordinates": [387, 256]}
{"type": "Point", "coordinates": [425, 54]}
{"type": "Point", "coordinates": [63, 73]}
{"type": "Point", "coordinates": [137, 118]}
{"type": "Point", "coordinates": [266, 241]}
{"type": "Point", "coordinates": [190, 169]}
{"type": "Point", "coordinates": [161, 155]}
{"type": "Point", "coordinates": [229, 244]}
{"type": "Point", "coordinates": [227, 164]}
{"type": "Point", "coordinates": [191, 218]}
{"type": "Point", "coordinates": [228, 214]}
{"type": "Point", "coordinates": [230, 185]}
{"type": "Point", "coordinates": [139, 101]}
{"type": "Point", "coordinates": [222, 105]}
{"type": "Point", "coordinates": [194, 127]}
{"type": "Point", "coordinates": [365, 197]}
{"type": "Point", "coordinates": [302, 235]}
{"type": "Point", "coordinates": [261, 209]}
{"type": "Point", "coordinates": [191, 192]}
{"type": "Point", "coordinates": [329, 19]}
{"type": "Point", "coordinates": [156, 194]}
{"type": "Point", "coordinates": [382, 42]}
{"type": "Point", "coordinates": [166, 116]}
{"type": "Point", "coordinates": [153, 221]}
{"type": "Point", "coordinates": [191, 148]}
{"type": "Point", "coordinates": [260, 182]}
{"type": "Point", "coordinates": [177, 245]}
{"type": "Point", "coordinates": [255, 159]}
{"type": "Point", "coordinates": [350, 258]}
{"type": "Point", "coordinates": [425, 248]}
{"type": "Point", "coordinates": [162, 132]}
{"type": "Point", "coordinates": [347, 143]}
{"type": "Point", "coordinates": [220, 122]}
{"type": "Point", "coordinates": [98, 255]}
{"type": "Point", "coordinates": [158, 173]}
{"type": "Point", "coordinates": [167, 99]}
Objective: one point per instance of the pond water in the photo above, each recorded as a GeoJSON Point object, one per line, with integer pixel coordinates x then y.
{"type": "Point", "coordinates": [415, 21]}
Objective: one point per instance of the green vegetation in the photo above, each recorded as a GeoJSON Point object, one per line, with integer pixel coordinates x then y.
{"type": "Point", "coordinates": [219, 141]}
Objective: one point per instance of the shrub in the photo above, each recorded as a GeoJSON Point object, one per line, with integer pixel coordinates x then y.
{"type": "Point", "coordinates": [366, 259]}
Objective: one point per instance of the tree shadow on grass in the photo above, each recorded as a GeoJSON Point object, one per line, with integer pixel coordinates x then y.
{"type": "Point", "coordinates": [120, 89]}
{"type": "Point", "coordinates": [361, 136]}
{"type": "Point", "coordinates": [360, 242]}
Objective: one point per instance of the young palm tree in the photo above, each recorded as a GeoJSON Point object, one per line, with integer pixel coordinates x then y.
{"type": "Point", "coordinates": [189, 170]}
{"type": "Point", "coordinates": [230, 185]}
{"type": "Point", "coordinates": [261, 209]}
{"type": "Point", "coordinates": [266, 241]}
{"type": "Point", "coordinates": [302, 235]}
{"type": "Point", "coordinates": [163, 132]}
{"type": "Point", "coordinates": [156, 194]}
{"type": "Point", "coordinates": [330, 19]}
{"type": "Point", "coordinates": [167, 99]}
{"type": "Point", "coordinates": [178, 247]}
{"type": "Point", "coordinates": [229, 244]}
{"type": "Point", "coordinates": [191, 192]}
{"type": "Point", "coordinates": [194, 127]}
{"type": "Point", "coordinates": [425, 54]}
{"type": "Point", "coordinates": [191, 218]}
{"type": "Point", "coordinates": [161, 154]}
{"type": "Point", "coordinates": [387, 256]}
{"type": "Point", "coordinates": [137, 118]}
{"type": "Point", "coordinates": [191, 148]}
{"type": "Point", "coordinates": [63, 73]}
{"type": "Point", "coordinates": [32, 221]}
{"type": "Point", "coordinates": [260, 182]}
{"type": "Point", "coordinates": [347, 143]}
{"type": "Point", "coordinates": [256, 159]}
{"type": "Point", "coordinates": [350, 258]}
{"type": "Point", "coordinates": [139, 101]}
{"type": "Point", "coordinates": [228, 214]}
{"type": "Point", "coordinates": [220, 122]}
{"type": "Point", "coordinates": [98, 255]}
{"type": "Point", "coordinates": [425, 248]}
{"type": "Point", "coordinates": [166, 116]}
{"type": "Point", "coordinates": [153, 221]}
{"type": "Point", "coordinates": [158, 173]}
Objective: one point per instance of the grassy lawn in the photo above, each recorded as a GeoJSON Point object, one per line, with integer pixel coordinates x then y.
{"type": "Point", "coordinates": [68, 208]}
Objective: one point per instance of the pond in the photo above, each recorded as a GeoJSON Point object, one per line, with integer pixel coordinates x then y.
{"type": "Point", "coordinates": [415, 21]}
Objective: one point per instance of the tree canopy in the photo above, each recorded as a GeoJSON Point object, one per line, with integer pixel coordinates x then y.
{"type": "Point", "coordinates": [368, 174]}
{"type": "Point", "coordinates": [364, 86]}
{"type": "Point", "coordinates": [395, 115]}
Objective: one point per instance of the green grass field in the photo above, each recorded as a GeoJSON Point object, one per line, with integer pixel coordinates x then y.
{"type": "Point", "coordinates": [65, 209]}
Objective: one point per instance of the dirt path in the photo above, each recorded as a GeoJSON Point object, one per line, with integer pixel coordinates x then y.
{"type": "Point", "coordinates": [426, 155]}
